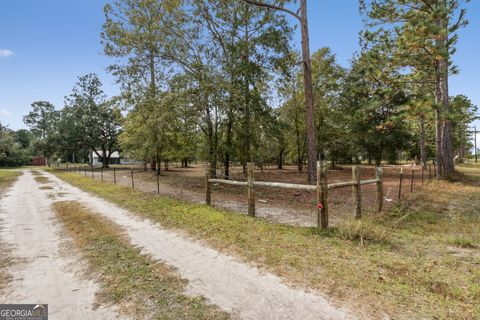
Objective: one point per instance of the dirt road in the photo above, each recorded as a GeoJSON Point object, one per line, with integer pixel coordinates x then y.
{"type": "Point", "coordinates": [49, 270]}
{"type": "Point", "coordinates": [49, 275]}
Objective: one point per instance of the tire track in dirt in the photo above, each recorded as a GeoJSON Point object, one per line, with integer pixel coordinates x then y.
{"type": "Point", "coordinates": [50, 269]}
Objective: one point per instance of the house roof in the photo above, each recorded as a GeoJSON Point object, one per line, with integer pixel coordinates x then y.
{"type": "Point", "coordinates": [115, 154]}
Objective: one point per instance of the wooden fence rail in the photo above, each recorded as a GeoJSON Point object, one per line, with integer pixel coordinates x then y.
{"type": "Point", "coordinates": [322, 187]}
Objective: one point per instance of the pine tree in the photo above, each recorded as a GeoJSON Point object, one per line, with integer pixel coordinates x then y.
{"type": "Point", "coordinates": [424, 37]}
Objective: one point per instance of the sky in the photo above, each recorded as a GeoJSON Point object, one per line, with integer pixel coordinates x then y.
{"type": "Point", "coordinates": [46, 44]}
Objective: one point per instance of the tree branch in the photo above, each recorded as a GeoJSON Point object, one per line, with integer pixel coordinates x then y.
{"type": "Point", "coordinates": [274, 7]}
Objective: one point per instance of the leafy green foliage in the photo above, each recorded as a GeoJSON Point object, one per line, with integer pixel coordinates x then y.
{"type": "Point", "coordinates": [12, 152]}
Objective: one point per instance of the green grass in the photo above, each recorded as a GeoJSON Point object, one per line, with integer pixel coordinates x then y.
{"type": "Point", "coordinates": [463, 241]}
{"type": "Point", "coordinates": [402, 264]}
{"type": "Point", "coordinates": [141, 287]}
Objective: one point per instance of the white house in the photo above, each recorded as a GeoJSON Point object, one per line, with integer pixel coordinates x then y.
{"type": "Point", "coordinates": [115, 158]}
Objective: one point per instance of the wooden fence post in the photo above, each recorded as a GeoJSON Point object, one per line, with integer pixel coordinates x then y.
{"type": "Point", "coordinates": [411, 180]}
{"type": "Point", "coordinates": [101, 173]}
{"type": "Point", "coordinates": [93, 174]}
{"type": "Point", "coordinates": [357, 192]}
{"type": "Point", "coordinates": [158, 181]}
{"type": "Point", "coordinates": [250, 189]}
{"type": "Point", "coordinates": [114, 176]}
{"type": "Point", "coordinates": [379, 177]}
{"type": "Point", "coordinates": [400, 184]}
{"type": "Point", "coordinates": [133, 181]}
{"type": "Point", "coordinates": [85, 170]}
{"type": "Point", "coordinates": [322, 196]}
{"type": "Point", "coordinates": [208, 186]}
{"type": "Point", "coordinates": [429, 171]}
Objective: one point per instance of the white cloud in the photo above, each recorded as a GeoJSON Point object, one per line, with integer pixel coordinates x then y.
{"type": "Point", "coordinates": [5, 113]}
{"type": "Point", "coordinates": [5, 53]}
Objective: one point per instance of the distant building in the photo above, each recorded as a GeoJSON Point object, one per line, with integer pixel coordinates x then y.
{"type": "Point", "coordinates": [39, 161]}
{"type": "Point", "coordinates": [115, 158]}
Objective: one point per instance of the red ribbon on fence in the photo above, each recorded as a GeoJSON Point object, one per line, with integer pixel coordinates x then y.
{"type": "Point", "coordinates": [319, 206]}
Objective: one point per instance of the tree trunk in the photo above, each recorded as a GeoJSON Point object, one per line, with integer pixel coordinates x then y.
{"type": "Point", "coordinates": [307, 82]}
{"type": "Point", "coordinates": [228, 146]}
{"type": "Point", "coordinates": [212, 158]}
{"type": "Point", "coordinates": [299, 146]}
{"type": "Point", "coordinates": [423, 150]}
{"type": "Point", "coordinates": [153, 85]}
{"type": "Point", "coordinates": [444, 140]}
{"type": "Point", "coordinates": [247, 134]}
{"type": "Point", "coordinates": [158, 161]}
{"type": "Point", "coordinates": [280, 160]}
{"type": "Point", "coordinates": [307, 79]}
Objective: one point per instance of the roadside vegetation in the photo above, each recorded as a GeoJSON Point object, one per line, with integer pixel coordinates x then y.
{"type": "Point", "coordinates": [140, 286]}
{"type": "Point", "coordinates": [7, 177]}
{"type": "Point", "coordinates": [418, 260]}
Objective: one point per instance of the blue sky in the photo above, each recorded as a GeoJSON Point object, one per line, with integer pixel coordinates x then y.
{"type": "Point", "coordinates": [46, 44]}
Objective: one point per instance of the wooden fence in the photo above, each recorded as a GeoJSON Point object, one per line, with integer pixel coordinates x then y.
{"type": "Point", "coordinates": [322, 187]}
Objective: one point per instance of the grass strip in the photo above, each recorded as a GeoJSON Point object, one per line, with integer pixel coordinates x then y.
{"type": "Point", "coordinates": [140, 286]}
{"type": "Point", "coordinates": [41, 179]}
{"type": "Point", "coordinates": [7, 177]}
{"type": "Point", "coordinates": [403, 264]}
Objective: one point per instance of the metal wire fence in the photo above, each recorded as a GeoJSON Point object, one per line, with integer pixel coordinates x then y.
{"type": "Point", "coordinates": [284, 206]}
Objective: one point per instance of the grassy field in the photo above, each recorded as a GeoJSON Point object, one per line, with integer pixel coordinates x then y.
{"type": "Point", "coordinates": [7, 177]}
{"type": "Point", "coordinates": [141, 287]}
{"type": "Point", "coordinates": [419, 260]}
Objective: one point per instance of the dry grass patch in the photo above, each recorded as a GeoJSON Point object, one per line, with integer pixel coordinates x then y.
{"type": "Point", "coordinates": [42, 179]}
{"type": "Point", "coordinates": [401, 264]}
{"type": "Point", "coordinates": [7, 177]}
{"type": "Point", "coordinates": [46, 188]}
{"type": "Point", "coordinates": [142, 287]}
{"type": "Point", "coordinates": [6, 261]}
{"type": "Point", "coordinates": [362, 231]}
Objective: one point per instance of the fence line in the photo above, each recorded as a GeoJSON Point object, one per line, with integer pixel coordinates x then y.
{"type": "Point", "coordinates": [322, 187]}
